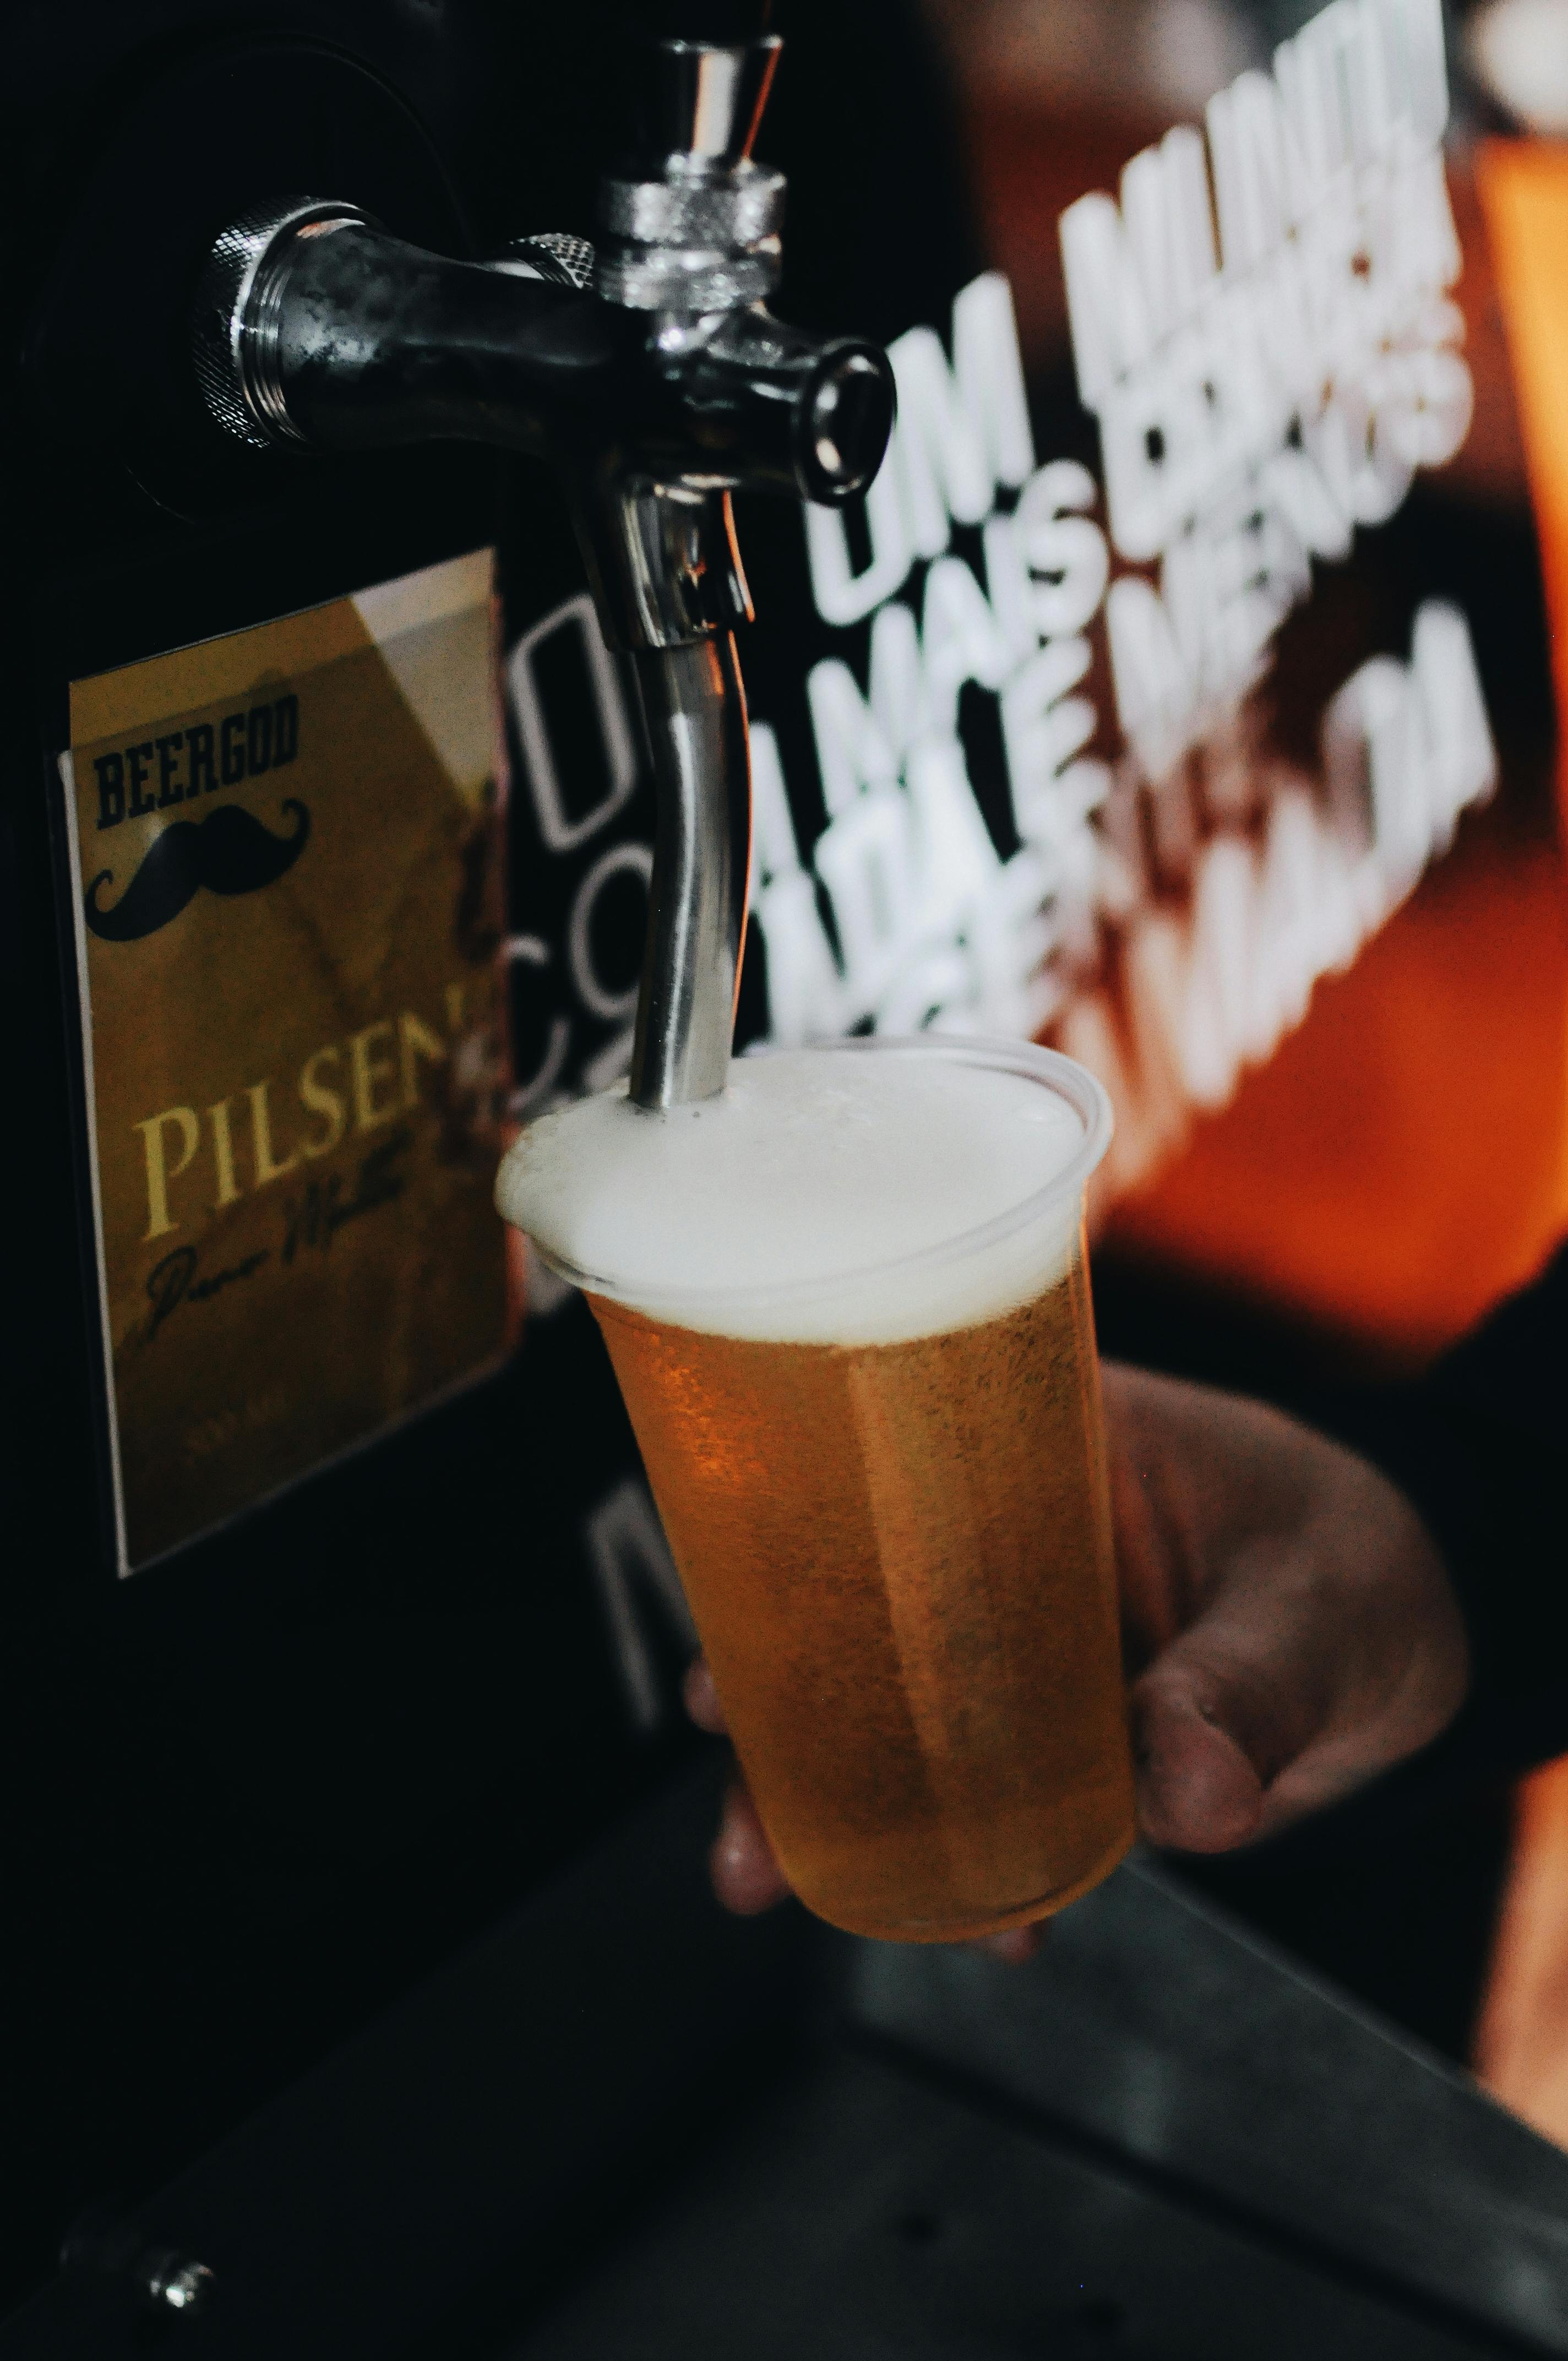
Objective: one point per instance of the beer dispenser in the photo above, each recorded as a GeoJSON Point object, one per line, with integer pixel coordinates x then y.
{"type": "Point", "coordinates": [656, 379]}
{"type": "Point", "coordinates": [284, 373]}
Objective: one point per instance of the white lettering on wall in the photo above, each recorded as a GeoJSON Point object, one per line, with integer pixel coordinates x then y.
{"type": "Point", "coordinates": [1261, 396]}
{"type": "Point", "coordinates": [961, 432]}
{"type": "Point", "coordinates": [931, 923]}
{"type": "Point", "coordinates": [561, 832]}
{"type": "Point", "coordinates": [1262, 327]}
{"type": "Point", "coordinates": [1213, 990]}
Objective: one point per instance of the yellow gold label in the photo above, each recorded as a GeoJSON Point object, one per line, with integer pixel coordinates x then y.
{"type": "Point", "coordinates": [290, 908]}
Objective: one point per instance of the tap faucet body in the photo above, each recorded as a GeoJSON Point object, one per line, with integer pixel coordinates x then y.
{"type": "Point", "coordinates": [656, 390]}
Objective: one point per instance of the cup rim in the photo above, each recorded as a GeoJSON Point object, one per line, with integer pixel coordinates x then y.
{"type": "Point", "coordinates": [1082, 1091]}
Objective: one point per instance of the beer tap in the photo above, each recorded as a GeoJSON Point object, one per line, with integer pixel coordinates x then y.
{"type": "Point", "coordinates": [652, 377]}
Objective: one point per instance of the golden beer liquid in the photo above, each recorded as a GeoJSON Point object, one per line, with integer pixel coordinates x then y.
{"type": "Point", "coordinates": [899, 1560]}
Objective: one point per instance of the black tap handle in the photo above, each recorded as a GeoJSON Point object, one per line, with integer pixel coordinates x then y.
{"type": "Point", "coordinates": [315, 326]}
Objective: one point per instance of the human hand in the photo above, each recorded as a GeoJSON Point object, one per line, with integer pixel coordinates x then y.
{"type": "Point", "coordinates": [1288, 1627]}
{"type": "Point", "coordinates": [1287, 1621]}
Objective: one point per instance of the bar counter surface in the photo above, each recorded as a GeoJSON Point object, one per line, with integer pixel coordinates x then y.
{"type": "Point", "coordinates": [1158, 2140]}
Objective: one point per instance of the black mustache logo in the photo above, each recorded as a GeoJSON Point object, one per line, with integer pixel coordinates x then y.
{"type": "Point", "coordinates": [228, 852]}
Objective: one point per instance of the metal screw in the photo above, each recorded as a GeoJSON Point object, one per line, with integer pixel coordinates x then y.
{"type": "Point", "coordinates": [172, 2283]}
{"type": "Point", "coordinates": [100, 2244]}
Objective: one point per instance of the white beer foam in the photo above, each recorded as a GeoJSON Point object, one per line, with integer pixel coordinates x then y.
{"type": "Point", "coordinates": [825, 1198]}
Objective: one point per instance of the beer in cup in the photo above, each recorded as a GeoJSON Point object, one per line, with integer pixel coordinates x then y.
{"type": "Point", "coordinates": [848, 1304]}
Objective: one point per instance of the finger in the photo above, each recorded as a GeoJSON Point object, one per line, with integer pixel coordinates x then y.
{"type": "Point", "coordinates": [1197, 1792]}
{"type": "Point", "coordinates": [1318, 1661]}
{"type": "Point", "coordinates": [702, 1698]}
{"type": "Point", "coordinates": [1014, 1946]}
{"type": "Point", "coordinates": [746, 1877]}
{"type": "Point", "coordinates": [1243, 1692]}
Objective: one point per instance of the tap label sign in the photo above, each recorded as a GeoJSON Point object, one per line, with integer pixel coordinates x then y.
{"type": "Point", "coordinates": [288, 891]}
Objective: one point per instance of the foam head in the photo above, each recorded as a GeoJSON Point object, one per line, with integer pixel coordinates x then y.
{"type": "Point", "coordinates": [861, 1193]}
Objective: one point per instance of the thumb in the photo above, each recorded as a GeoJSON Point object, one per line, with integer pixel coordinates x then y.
{"type": "Point", "coordinates": [1220, 1714]}
{"type": "Point", "coordinates": [1197, 1791]}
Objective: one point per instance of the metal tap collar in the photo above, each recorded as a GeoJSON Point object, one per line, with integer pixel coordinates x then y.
{"type": "Point", "coordinates": [694, 223]}
{"type": "Point", "coordinates": [746, 204]}
{"type": "Point", "coordinates": [234, 317]}
{"type": "Point", "coordinates": [694, 280]}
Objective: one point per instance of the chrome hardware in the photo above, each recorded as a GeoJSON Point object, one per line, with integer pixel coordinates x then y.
{"type": "Point", "coordinates": [694, 227]}
{"type": "Point", "coordinates": [692, 238]}
{"type": "Point", "coordinates": [554, 255]}
{"type": "Point", "coordinates": [695, 703]}
{"type": "Point", "coordinates": [657, 388]}
{"type": "Point", "coordinates": [176, 2286]}
{"type": "Point", "coordinates": [236, 324]}
{"type": "Point", "coordinates": [691, 249]}
{"type": "Point", "coordinates": [100, 2245]}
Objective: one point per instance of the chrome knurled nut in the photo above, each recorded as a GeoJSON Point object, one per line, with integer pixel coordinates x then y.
{"type": "Point", "coordinates": [551, 254]}
{"type": "Point", "coordinates": [732, 211]}
{"type": "Point", "coordinates": [672, 279]}
{"type": "Point", "coordinates": [220, 314]}
{"type": "Point", "coordinates": [690, 240]}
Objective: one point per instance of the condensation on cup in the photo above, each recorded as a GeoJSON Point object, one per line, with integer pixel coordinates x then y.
{"type": "Point", "coordinates": [848, 1304]}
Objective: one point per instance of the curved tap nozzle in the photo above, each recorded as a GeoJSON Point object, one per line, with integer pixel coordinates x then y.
{"type": "Point", "coordinates": [656, 393]}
